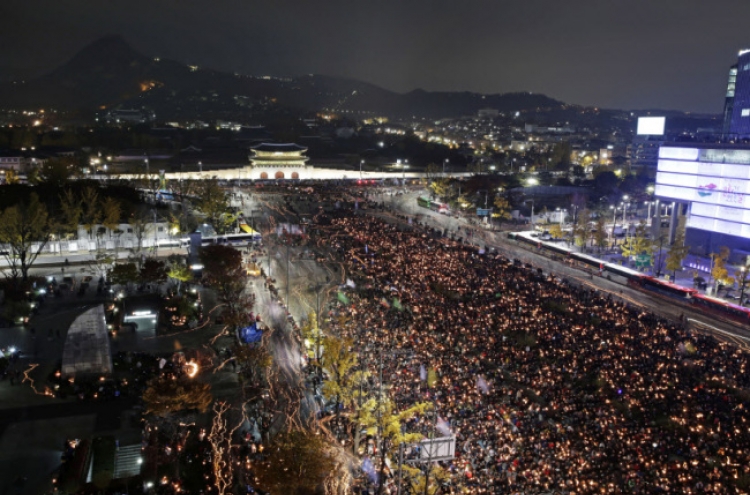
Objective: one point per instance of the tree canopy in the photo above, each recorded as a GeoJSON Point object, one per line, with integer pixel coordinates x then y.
{"type": "Point", "coordinates": [296, 463]}
{"type": "Point", "coordinates": [166, 395]}
{"type": "Point", "coordinates": [25, 229]}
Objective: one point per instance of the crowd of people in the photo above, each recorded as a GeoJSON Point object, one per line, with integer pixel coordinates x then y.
{"type": "Point", "coordinates": [547, 386]}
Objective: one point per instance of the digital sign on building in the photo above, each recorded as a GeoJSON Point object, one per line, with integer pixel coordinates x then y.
{"type": "Point", "coordinates": [716, 183]}
{"type": "Point", "coordinates": [650, 126]}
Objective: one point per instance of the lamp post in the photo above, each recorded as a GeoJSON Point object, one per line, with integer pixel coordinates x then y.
{"type": "Point", "coordinates": [532, 181]}
{"type": "Point", "coordinates": [614, 222]}
{"type": "Point", "coordinates": [743, 274]}
{"type": "Point", "coordinates": [155, 240]}
{"type": "Point", "coordinates": [445, 162]}
{"type": "Point", "coordinates": [361, 162]}
{"type": "Point", "coordinates": [148, 176]}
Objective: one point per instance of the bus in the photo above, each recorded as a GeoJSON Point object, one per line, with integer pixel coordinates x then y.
{"type": "Point", "coordinates": [231, 240]}
{"type": "Point", "coordinates": [437, 206]}
{"type": "Point", "coordinates": [718, 307]}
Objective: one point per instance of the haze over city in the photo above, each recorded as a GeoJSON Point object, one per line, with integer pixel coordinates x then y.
{"type": "Point", "coordinates": [617, 54]}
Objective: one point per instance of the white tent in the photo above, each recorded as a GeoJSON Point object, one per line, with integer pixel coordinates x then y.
{"type": "Point", "coordinates": [86, 350]}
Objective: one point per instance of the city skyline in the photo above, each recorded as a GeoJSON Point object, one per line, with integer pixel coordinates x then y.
{"type": "Point", "coordinates": [639, 55]}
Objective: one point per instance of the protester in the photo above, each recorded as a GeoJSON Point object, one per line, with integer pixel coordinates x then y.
{"type": "Point", "coordinates": [547, 386]}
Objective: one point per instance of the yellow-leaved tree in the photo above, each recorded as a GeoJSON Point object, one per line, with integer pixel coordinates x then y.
{"type": "Point", "coordinates": [344, 383]}
{"type": "Point", "coordinates": [165, 396]}
{"type": "Point", "coordinates": [719, 270]}
{"type": "Point", "coordinates": [382, 418]}
{"type": "Point", "coordinates": [417, 480]}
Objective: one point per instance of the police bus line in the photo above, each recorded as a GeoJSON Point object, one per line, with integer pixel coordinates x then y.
{"type": "Point", "coordinates": [641, 281]}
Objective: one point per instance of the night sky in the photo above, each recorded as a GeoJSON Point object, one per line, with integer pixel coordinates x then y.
{"type": "Point", "coordinates": [632, 54]}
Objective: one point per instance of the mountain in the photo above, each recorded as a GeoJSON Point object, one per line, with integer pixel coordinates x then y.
{"type": "Point", "coordinates": [110, 73]}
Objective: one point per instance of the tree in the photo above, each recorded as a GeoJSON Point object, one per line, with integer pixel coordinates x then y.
{"type": "Point", "coordinates": [560, 156]}
{"type": "Point", "coordinates": [253, 361]}
{"type": "Point", "coordinates": [339, 362]}
{"type": "Point", "coordinates": [312, 333]}
{"type": "Point", "coordinates": [639, 243]}
{"type": "Point", "coordinates": [502, 208]}
{"type": "Point", "coordinates": [380, 416]}
{"type": "Point", "coordinates": [238, 308]}
{"type": "Point", "coordinates": [581, 229]}
{"type": "Point", "coordinates": [180, 273]}
{"type": "Point", "coordinates": [417, 480]}
{"type": "Point", "coordinates": [166, 395]}
{"type": "Point", "coordinates": [11, 177]}
{"type": "Point", "coordinates": [677, 251]}
{"type": "Point", "coordinates": [24, 228]}
{"type": "Point", "coordinates": [439, 188]}
{"type": "Point", "coordinates": [222, 269]}
{"type": "Point", "coordinates": [605, 182]}
{"type": "Point", "coordinates": [555, 231]}
{"type": "Point", "coordinates": [111, 212]}
{"type": "Point", "coordinates": [91, 213]}
{"type": "Point", "coordinates": [153, 271]}
{"type": "Point", "coordinates": [220, 439]}
{"type": "Point", "coordinates": [102, 263]}
{"type": "Point", "coordinates": [743, 277]}
{"type": "Point", "coordinates": [55, 172]}
{"type": "Point", "coordinates": [212, 201]}
{"type": "Point", "coordinates": [296, 463]}
{"type": "Point", "coordinates": [719, 270]}
{"type": "Point", "coordinates": [70, 212]}
{"type": "Point", "coordinates": [124, 274]}
{"type": "Point", "coordinates": [139, 221]}
{"type": "Point", "coordinates": [600, 232]}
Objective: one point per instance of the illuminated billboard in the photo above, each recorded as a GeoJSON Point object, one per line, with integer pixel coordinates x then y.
{"type": "Point", "coordinates": [651, 126]}
{"type": "Point", "coordinates": [715, 182]}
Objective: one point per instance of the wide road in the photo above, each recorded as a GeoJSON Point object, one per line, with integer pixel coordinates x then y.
{"type": "Point", "coordinates": [725, 330]}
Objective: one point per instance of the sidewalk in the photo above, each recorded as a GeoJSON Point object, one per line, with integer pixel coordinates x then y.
{"type": "Point", "coordinates": [691, 265]}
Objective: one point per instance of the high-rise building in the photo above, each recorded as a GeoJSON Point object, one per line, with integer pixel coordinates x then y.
{"type": "Point", "coordinates": [729, 100]}
{"type": "Point", "coordinates": [739, 126]}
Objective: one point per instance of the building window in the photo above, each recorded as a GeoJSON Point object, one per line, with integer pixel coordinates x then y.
{"type": "Point", "coordinates": [130, 231]}
{"type": "Point", "coordinates": [160, 229]}
{"type": "Point", "coordinates": [746, 112]}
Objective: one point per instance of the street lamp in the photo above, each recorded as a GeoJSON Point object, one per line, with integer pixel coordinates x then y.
{"type": "Point", "coordinates": [361, 162]}
{"type": "Point", "coordinates": [148, 174]}
{"type": "Point", "coordinates": [445, 162]}
{"type": "Point", "coordinates": [532, 181]}
{"type": "Point", "coordinates": [533, 225]}
{"type": "Point", "coordinates": [403, 166]}
{"type": "Point", "coordinates": [156, 244]}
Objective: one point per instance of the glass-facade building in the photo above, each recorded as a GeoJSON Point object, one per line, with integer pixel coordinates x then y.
{"type": "Point", "coordinates": [740, 124]}
{"type": "Point", "coordinates": [729, 100]}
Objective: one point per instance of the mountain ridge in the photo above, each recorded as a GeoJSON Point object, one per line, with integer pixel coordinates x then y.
{"type": "Point", "coordinates": [109, 73]}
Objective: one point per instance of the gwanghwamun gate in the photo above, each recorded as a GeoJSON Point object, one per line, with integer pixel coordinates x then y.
{"type": "Point", "coordinates": [287, 161]}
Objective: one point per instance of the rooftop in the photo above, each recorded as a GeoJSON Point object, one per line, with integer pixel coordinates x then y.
{"type": "Point", "coordinates": [278, 147]}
